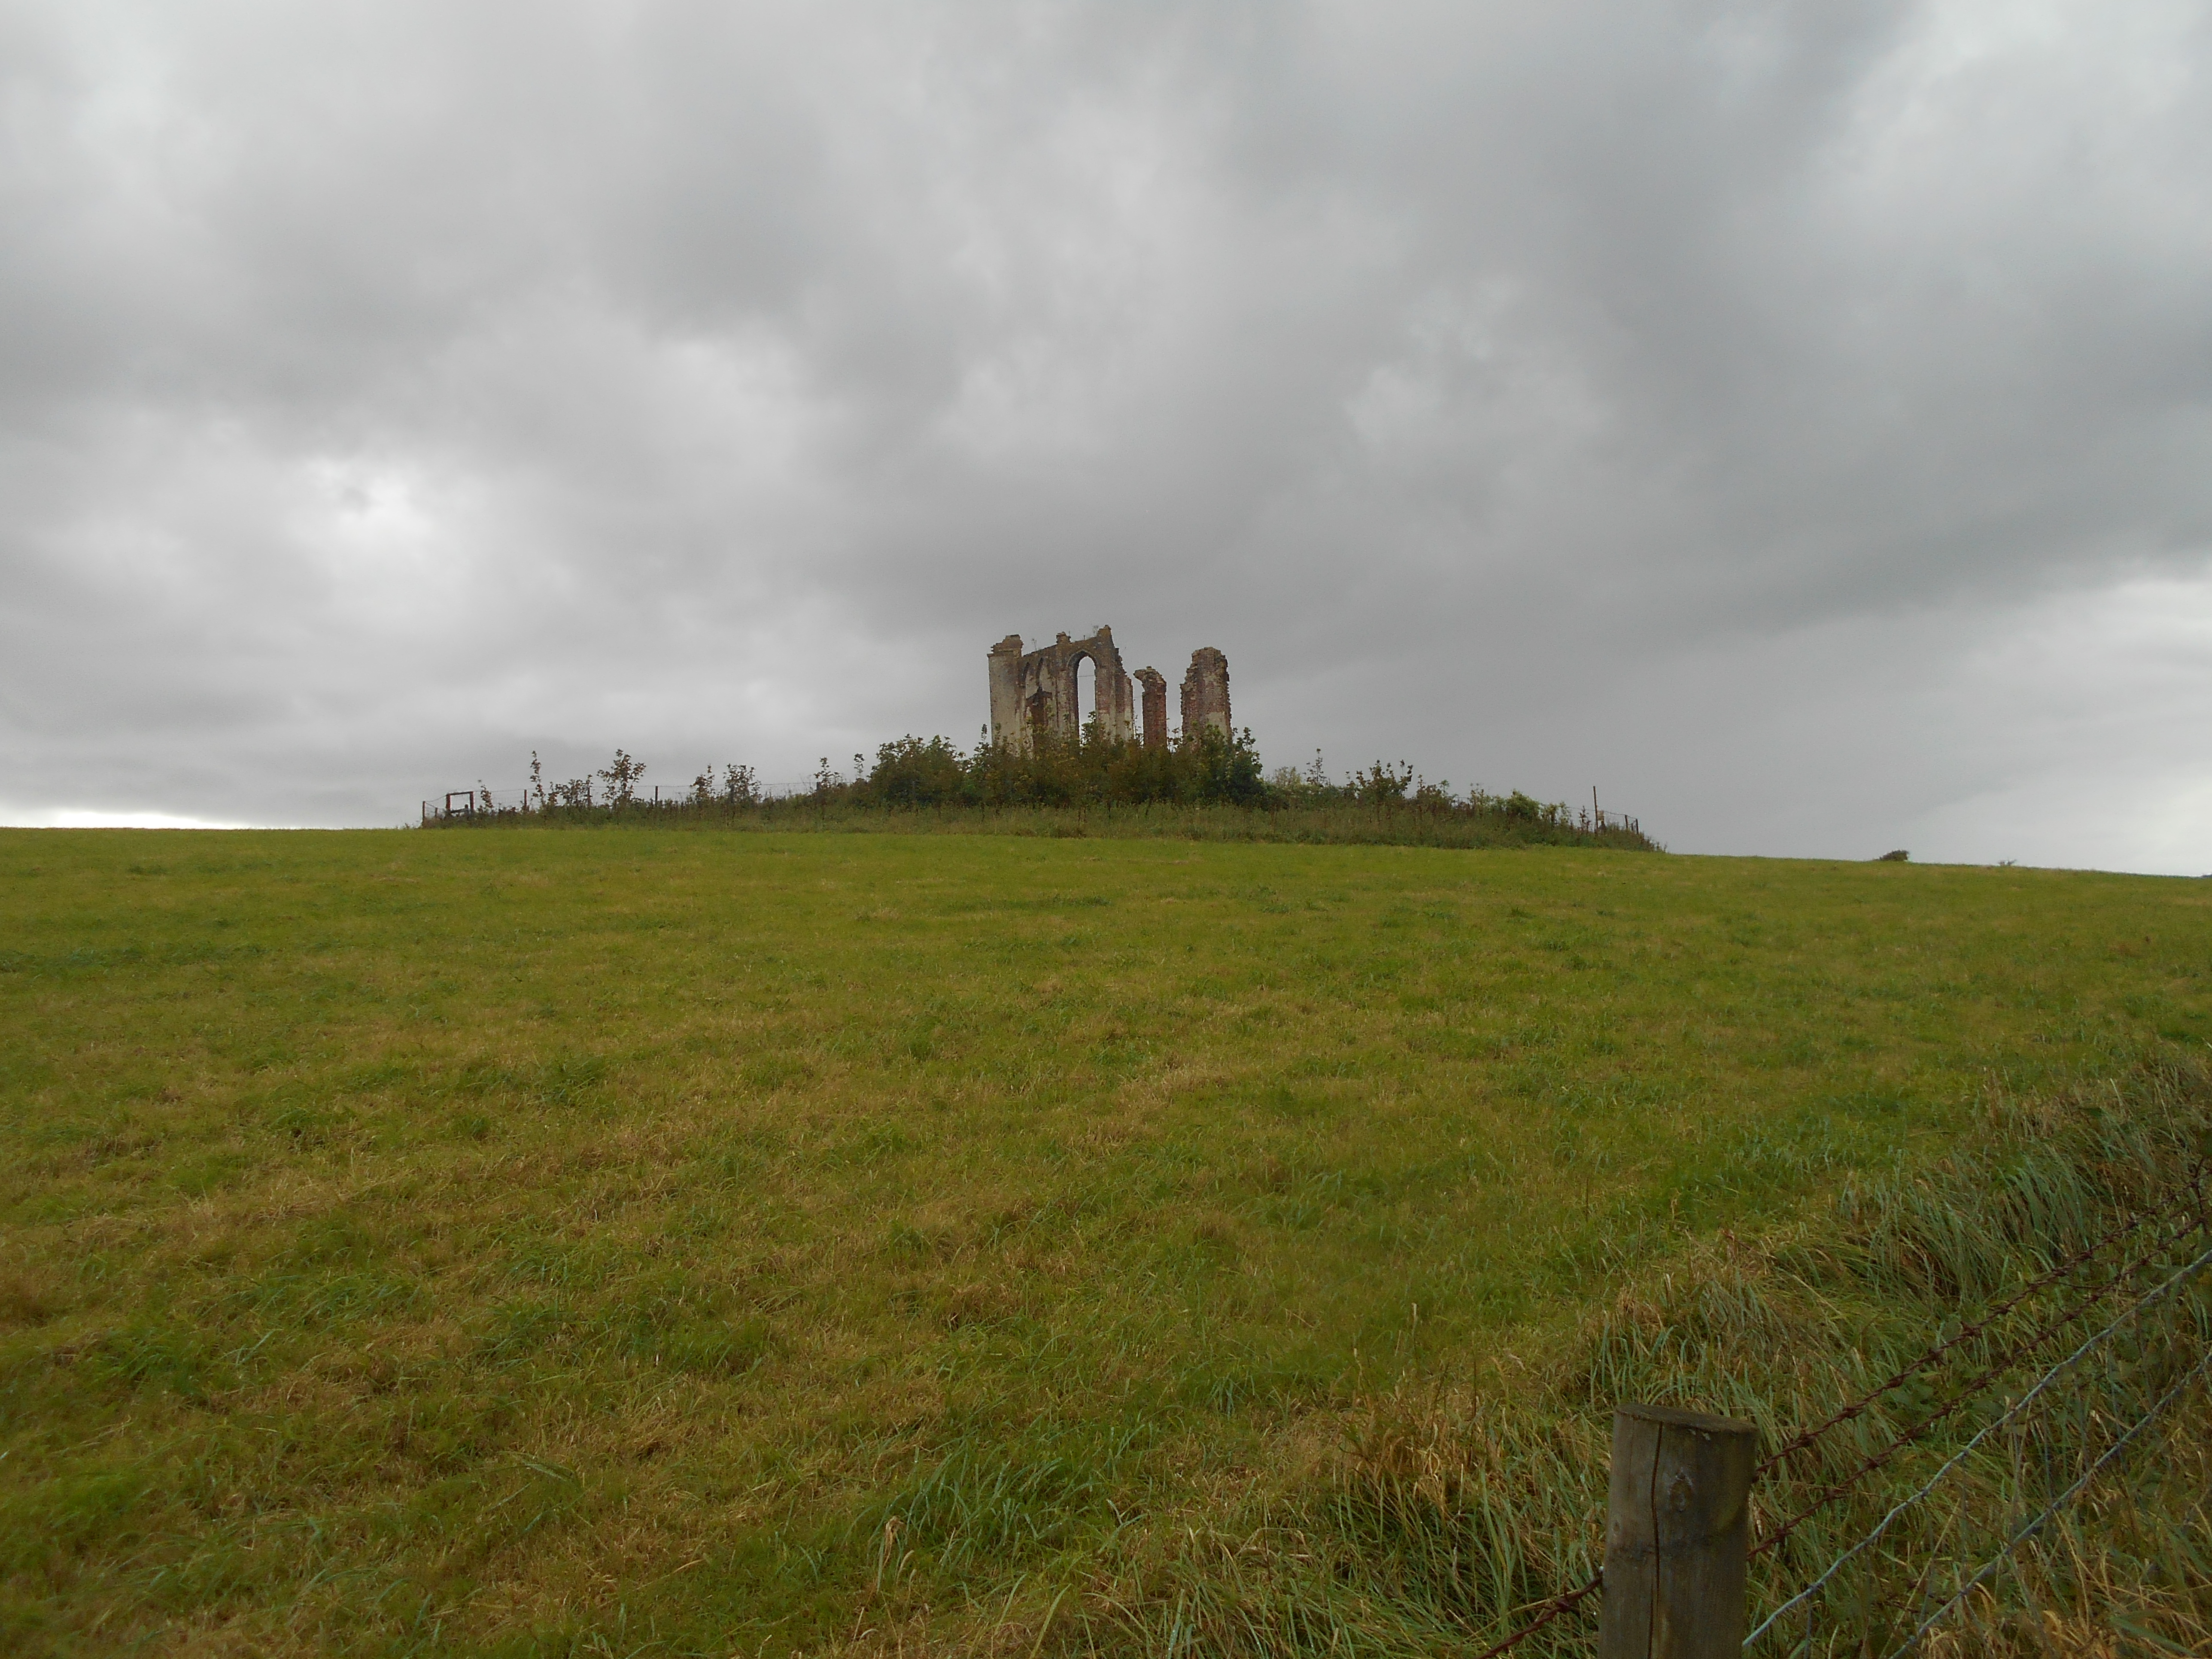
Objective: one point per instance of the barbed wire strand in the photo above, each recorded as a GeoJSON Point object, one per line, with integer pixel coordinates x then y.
{"type": "Point", "coordinates": [1983, 1433]}
{"type": "Point", "coordinates": [1806, 1438]}
{"type": "Point", "coordinates": [2055, 1505]}
{"type": "Point", "coordinates": [2012, 1356]}
{"type": "Point", "coordinates": [1552, 1609]}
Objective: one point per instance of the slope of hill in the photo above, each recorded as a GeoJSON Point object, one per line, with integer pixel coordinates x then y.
{"type": "Point", "coordinates": [584, 1241]}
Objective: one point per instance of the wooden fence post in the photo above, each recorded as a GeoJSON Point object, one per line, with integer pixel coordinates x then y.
{"type": "Point", "coordinates": [1676, 1528]}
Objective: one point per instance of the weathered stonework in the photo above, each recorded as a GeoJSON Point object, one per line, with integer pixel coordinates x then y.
{"type": "Point", "coordinates": [1156, 706]}
{"type": "Point", "coordinates": [1206, 692]}
{"type": "Point", "coordinates": [1034, 691]}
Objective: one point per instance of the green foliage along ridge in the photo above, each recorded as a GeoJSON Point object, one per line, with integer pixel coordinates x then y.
{"type": "Point", "coordinates": [593, 1242]}
{"type": "Point", "coordinates": [1209, 787]}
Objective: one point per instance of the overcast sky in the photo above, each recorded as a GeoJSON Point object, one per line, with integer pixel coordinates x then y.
{"type": "Point", "coordinates": [1795, 421]}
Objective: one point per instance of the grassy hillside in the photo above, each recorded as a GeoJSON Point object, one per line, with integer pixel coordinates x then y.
{"type": "Point", "coordinates": [576, 1242]}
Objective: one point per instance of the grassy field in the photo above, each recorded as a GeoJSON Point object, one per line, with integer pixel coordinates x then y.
{"type": "Point", "coordinates": [627, 1241]}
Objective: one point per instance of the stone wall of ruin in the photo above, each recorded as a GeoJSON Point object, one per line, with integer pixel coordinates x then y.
{"type": "Point", "coordinates": [1034, 692]}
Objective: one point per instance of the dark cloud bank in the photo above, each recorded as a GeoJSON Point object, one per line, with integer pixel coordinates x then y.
{"type": "Point", "coordinates": [1793, 419]}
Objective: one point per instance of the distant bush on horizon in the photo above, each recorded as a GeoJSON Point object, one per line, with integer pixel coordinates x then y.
{"type": "Point", "coordinates": [1208, 787]}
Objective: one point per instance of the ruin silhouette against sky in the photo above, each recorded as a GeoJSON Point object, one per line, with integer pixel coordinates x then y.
{"type": "Point", "coordinates": [1038, 692]}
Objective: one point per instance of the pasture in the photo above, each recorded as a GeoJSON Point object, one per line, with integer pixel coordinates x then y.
{"type": "Point", "coordinates": [623, 1240]}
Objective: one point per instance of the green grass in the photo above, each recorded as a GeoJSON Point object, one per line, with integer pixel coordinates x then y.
{"type": "Point", "coordinates": [535, 1241]}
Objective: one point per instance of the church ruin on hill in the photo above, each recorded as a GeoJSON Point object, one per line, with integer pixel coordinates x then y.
{"type": "Point", "coordinates": [1034, 691]}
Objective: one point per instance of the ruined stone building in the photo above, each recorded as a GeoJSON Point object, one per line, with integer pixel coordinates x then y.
{"type": "Point", "coordinates": [1034, 691]}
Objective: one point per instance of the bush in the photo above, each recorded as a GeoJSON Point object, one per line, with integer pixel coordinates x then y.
{"type": "Point", "coordinates": [1209, 785]}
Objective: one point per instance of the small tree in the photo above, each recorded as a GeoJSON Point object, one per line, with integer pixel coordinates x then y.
{"type": "Point", "coordinates": [1382, 785]}
{"type": "Point", "coordinates": [621, 777]}
{"type": "Point", "coordinates": [912, 773]}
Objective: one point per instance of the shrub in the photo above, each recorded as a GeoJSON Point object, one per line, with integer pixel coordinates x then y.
{"type": "Point", "coordinates": [1202, 774]}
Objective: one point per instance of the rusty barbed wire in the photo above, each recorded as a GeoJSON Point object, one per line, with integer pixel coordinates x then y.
{"type": "Point", "coordinates": [1806, 1438]}
{"type": "Point", "coordinates": [2011, 1358]}
{"type": "Point", "coordinates": [1552, 1609]}
{"type": "Point", "coordinates": [2081, 1484]}
{"type": "Point", "coordinates": [2202, 1261]}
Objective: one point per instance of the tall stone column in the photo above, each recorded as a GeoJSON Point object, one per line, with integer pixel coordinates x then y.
{"type": "Point", "coordinates": [1008, 722]}
{"type": "Point", "coordinates": [1156, 706]}
{"type": "Point", "coordinates": [1206, 692]}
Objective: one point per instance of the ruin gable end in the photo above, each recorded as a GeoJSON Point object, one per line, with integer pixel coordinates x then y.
{"type": "Point", "coordinates": [1034, 692]}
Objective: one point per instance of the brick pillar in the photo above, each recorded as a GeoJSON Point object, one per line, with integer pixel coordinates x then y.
{"type": "Point", "coordinates": [1156, 706]}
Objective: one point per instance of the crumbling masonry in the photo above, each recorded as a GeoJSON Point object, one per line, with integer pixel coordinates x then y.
{"type": "Point", "coordinates": [1034, 691]}
{"type": "Point", "coordinates": [1206, 691]}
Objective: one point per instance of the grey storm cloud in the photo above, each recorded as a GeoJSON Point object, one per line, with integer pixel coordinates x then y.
{"type": "Point", "coordinates": [1795, 419]}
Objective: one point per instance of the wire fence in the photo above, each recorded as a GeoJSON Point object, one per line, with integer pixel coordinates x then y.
{"type": "Point", "coordinates": [2006, 1361]}
{"type": "Point", "coordinates": [2081, 1485]}
{"type": "Point", "coordinates": [1546, 1612]}
{"type": "Point", "coordinates": [482, 803]}
{"type": "Point", "coordinates": [2148, 1247]}
{"type": "Point", "coordinates": [2004, 1419]}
